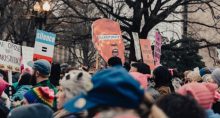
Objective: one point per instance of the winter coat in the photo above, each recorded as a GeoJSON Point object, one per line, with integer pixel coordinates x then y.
{"type": "Point", "coordinates": [19, 95]}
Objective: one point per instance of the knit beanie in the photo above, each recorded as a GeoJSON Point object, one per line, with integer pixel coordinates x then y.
{"type": "Point", "coordinates": [203, 93]}
{"type": "Point", "coordinates": [31, 111]}
{"type": "Point", "coordinates": [3, 85]}
{"type": "Point", "coordinates": [76, 82]}
{"type": "Point", "coordinates": [216, 76]}
{"type": "Point", "coordinates": [141, 78]}
{"type": "Point", "coordinates": [43, 95]}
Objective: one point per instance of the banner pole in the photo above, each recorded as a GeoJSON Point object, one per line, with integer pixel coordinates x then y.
{"type": "Point", "coordinates": [10, 83]}
{"type": "Point", "coordinates": [97, 61]}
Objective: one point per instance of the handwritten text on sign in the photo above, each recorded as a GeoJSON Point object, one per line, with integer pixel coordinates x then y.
{"type": "Point", "coordinates": [10, 56]}
{"type": "Point", "coordinates": [157, 48]}
{"type": "Point", "coordinates": [147, 52]}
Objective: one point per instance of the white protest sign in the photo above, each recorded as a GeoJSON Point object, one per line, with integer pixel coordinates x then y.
{"type": "Point", "coordinates": [137, 45]}
{"type": "Point", "coordinates": [27, 55]}
{"type": "Point", "coordinates": [44, 45]}
{"type": "Point", "coordinates": [10, 56]}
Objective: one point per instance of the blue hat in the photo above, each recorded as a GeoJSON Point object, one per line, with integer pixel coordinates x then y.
{"type": "Point", "coordinates": [43, 66]}
{"type": "Point", "coordinates": [111, 87]}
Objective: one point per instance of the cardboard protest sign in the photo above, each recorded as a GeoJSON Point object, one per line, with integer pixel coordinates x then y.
{"type": "Point", "coordinates": [137, 45]}
{"type": "Point", "coordinates": [44, 45]}
{"type": "Point", "coordinates": [147, 53]}
{"type": "Point", "coordinates": [157, 48]}
{"type": "Point", "coordinates": [27, 55]}
{"type": "Point", "coordinates": [10, 56]}
{"type": "Point", "coordinates": [107, 39]}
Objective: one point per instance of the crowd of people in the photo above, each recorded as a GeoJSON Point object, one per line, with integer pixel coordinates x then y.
{"type": "Point", "coordinates": [117, 91]}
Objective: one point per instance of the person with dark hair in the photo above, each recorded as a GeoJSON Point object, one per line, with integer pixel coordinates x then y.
{"type": "Point", "coordinates": [24, 85]}
{"type": "Point", "coordinates": [140, 67]}
{"type": "Point", "coordinates": [177, 106]}
{"type": "Point", "coordinates": [114, 61]}
{"type": "Point", "coordinates": [163, 80]}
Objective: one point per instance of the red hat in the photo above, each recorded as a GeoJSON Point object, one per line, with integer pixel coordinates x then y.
{"type": "Point", "coordinates": [3, 85]}
{"type": "Point", "coordinates": [204, 93]}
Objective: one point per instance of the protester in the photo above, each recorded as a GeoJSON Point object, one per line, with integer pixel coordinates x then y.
{"type": "Point", "coordinates": [113, 88]}
{"type": "Point", "coordinates": [73, 84]}
{"type": "Point", "coordinates": [203, 93]}
{"type": "Point", "coordinates": [41, 72]}
{"type": "Point", "coordinates": [176, 81]}
{"type": "Point", "coordinates": [216, 79]}
{"type": "Point", "coordinates": [31, 111]}
{"type": "Point", "coordinates": [141, 78]}
{"type": "Point", "coordinates": [186, 80]}
{"type": "Point", "coordinates": [43, 95]}
{"type": "Point", "coordinates": [204, 71]}
{"type": "Point", "coordinates": [163, 80]}
{"type": "Point", "coordinates": [23, 86]}
{"type": "Point", "coordinates": [4, 100]}
{"type": "Point", "coordinates": [178, 106]}
{"type": "Point", "coordinates": [140, 67]}
{"type": "Point", "coordinates": [207, 78]}
{"type": "Point", "coordinates": [114, 61]}
{"type": "Point", "coordinates": [194, 76]}
{"type": "Point", "coordinates": [3, 96]}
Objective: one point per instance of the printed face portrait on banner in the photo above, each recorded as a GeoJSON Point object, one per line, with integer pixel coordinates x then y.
{"type": "Point", "coordinates": [107, 39]}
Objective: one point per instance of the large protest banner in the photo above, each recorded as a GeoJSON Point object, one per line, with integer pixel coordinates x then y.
{"type": "Point", "coordinates": [10, 56]}
{"type": "Point", "coordinates": [44, 45]}
{"type": "Point", "coordinates": [157, 48]}
{"type": "Point", "coordinates": [147, 53]}
{"type": "Point", "coordinates": [107, 39]}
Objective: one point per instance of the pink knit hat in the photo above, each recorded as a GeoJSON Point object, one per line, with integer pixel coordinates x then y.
{"type": "Point", "coordinates": [3, 85]}
{"type": "Point", "coordinates": [141, 78]}
{"type": "Point", "coordinates": [204, 93]}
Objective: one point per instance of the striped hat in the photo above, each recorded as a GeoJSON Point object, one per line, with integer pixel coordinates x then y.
{"type": "Point", "coordinates": [43, 95]}
{"type": "Point", "coordinates": [203, 93]}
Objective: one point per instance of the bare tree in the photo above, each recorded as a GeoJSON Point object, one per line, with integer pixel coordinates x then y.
{"type": "Point", "coordinates": [143, 15]}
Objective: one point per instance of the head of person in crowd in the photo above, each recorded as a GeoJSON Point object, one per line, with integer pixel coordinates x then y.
{"type": "Point", "coordinates": [203, 93]}
{"type": "Point", "coordinates": [185, 76]}
{"type": "Point", "coordinates": [114, 61]}
{"type": "Point", "coordinates": [25, 79]}
{"type": "Point", "coordinates": [41, 71]}
{"type": "Point", "coordinates": [73, 84]}
{"type": "Point", "coordinates": [163, 80]}
{"type": "Point", "coordinates": [3, 85]}
{"type": "Point", "coordinates": [31, 111]}
{"type": "Point", "coordinates": [216, 76]}
{"type": "Point", "coordinates": [24, 85]}
{"type": "Point", "coordinates": [178, 106]}
{"type": "Point", "coordinates": [204, 71]}
{"type": "Point", "coordinates": [43, 95]}
{"type": "Point", "coordinates": [194, 76]}
{"type": "Point", "coordinates": [112, 87]}
{"type": "Point", "coordinates": [140, 67]}
{"type": "Point", "coordinates": [207, 78]}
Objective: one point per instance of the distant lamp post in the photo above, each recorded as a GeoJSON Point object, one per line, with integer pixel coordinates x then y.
{"type": "Point", "coordinates": [41, 8]}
